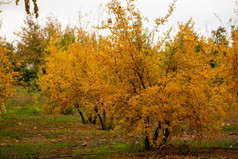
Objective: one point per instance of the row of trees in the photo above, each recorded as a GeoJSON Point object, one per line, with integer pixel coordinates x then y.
{"type": "Point", "coordinates": [130, 83]}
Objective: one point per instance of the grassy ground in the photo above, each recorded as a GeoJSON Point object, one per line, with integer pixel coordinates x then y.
{"type": "Point", "coordinates": [26, 132]}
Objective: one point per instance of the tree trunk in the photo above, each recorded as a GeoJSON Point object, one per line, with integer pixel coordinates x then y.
{"type": "Point", "coordinates": [104, 117]}
{"type": "Point", "coordinates": [81, 114]}
{"type": "Point", "coordinates": [82, 117]}
{"type": "Point", "coordinates": [156, 135]}
{"type": "Point", "coordinates": [147, 141]}
{"type": "Point", "coordinates": [95, 119]}
{"type": "Point", "coordinates": [102, 123]}
{"type": "Point", "coordinates": [100, 119]}
{"type": "Point", "coordinates": [90, 118]}
{"type": "Point", "coordinates": [166, 135]}
{"type": "Point", "coordinates": [111, 123]}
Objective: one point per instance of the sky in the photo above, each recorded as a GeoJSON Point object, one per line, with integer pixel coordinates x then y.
{"type": "Point", "coordinates": [67, 11]}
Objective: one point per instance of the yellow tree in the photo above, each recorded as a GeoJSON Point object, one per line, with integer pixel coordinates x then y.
{"type": "Point", "coordinates": [6, 72]}
{"type": "Point", "coordinates": [153, 92]}
{"type": "Point", "coordinates": [228, 71]}
{"type": "Point", "coordinates": [6, 76]}
{"type": "Point", "coordinates": [131, 64]}
{"type": "Point", "coordinates": [187, 84]}
{"type": "Point", "coordinates": [70, 72]}
{"type": "Point", "coordinates": [223, 60]}
{"type": "Point", "coordinates": [232, 62]}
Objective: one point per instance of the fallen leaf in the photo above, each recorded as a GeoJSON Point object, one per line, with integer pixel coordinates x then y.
{"type": "Point", "coordinates": [84, 144]}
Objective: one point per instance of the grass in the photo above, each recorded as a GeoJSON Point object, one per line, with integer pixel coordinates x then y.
{"type": "Point", "coordinates": [205, 144]}
{"type": "Point", "coordinates": [33, 150]}
{"type": "Point", "coordinates": [16, 150]}
{"type": "Point", "coordinates": [112, 147]}
{"type": "Point", "coordinates": [229, 128]}
{"type": "Point", "coordinates": [25, 132]}
{"type": "Point", "coordinates": [11, 134]}
{"type": "Point", "coordinates": [62, 119]}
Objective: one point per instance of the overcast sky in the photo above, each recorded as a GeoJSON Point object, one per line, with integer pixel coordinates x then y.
{"type": "Point", "coordinates": [67, 11]}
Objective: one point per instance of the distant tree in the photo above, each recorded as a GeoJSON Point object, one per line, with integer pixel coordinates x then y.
{"type": "Point", "coordinates": [32, 43]}
{"type": "Point", "coordinates": [52, 29]}
{"type": "Point", "coordinates": [30, 52]}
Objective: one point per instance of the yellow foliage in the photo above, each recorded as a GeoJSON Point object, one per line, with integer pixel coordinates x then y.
{"type": "Point", "coordinates": [152, 89]}
{"type": "Point", "coordinates": [6, 77]}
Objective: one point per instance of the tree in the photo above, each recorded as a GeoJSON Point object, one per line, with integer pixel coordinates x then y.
{"type": "Point", "coordinates": [31, 49]}
{"type": "Point", "coordinates": [229, 70]}
{"type": "Point", "coordinates": [6, 71]}
{"type": "Point", "coordinates": [65, 84]}
{"type": "Point", "coordinates": [30, 52]}
{"type": "Point", "coordinates": [157, 93]}
{"type": "Point", "coordinates": [6, 76]}
{"type": "Point", "coordinates": [224, 62]}
{"type": "Point", "coordinates": [32, 45]}
{"type": "Point", "coordinates": [131, 67]}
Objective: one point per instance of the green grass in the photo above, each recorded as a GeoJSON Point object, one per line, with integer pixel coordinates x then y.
{"type": "Point", "coordinates": [229, 128]}
{"type": "Point", "coordinates": [217, 144]}
{"type": "Point", "coordinates": [18, 150]}
{"type": "Point", "coordinates": [32, 150]}
{"type": "Point", "coordinates": [130, 147]}
{"type": "Point", "coordinates": [205, 144]}
{"type": "Point", "coordinates": [118, 147]}
{"type": "Point", "coordinates": [101, 133]}
{"type": "Point", "coordinates": [27, 109]}
{"type": "Point", "coordinates": [62, 119]}
{"type": "Point", "coordinates": [12, 134]}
